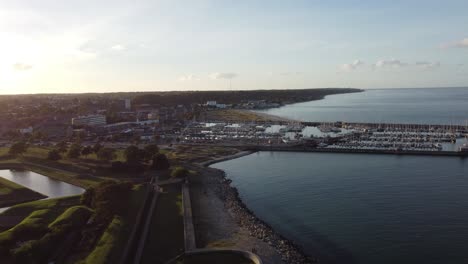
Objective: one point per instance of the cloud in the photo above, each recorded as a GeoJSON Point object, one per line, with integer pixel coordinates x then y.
{"type": "Point", "coordinates": [188, 77]}
{"type": "Point", "coordinates": [462, 43]}
{"type": "Point", "coordinates": [224, 75]}
{"type": "Point", "coordinates": [351, 66]}
{"type": "Point", "coordinates": [290, 73]}
{"type": "Point", "coordinates": [392, 63]}
{"type": "Point", "coordinates": [118, 47]}
{"type": "Point", "coordinates": [22, 66]}
{"type": "Point", "coordinates": [458, 44]}
{"type": "Point", "coordinates": [427, 64]}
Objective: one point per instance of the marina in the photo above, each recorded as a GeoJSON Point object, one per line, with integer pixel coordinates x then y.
{"type": "Point", "coordinates": [389, 138]}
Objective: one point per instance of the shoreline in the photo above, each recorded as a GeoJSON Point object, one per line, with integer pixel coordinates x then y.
{"type": "Point", "coordinates": [288, 250]}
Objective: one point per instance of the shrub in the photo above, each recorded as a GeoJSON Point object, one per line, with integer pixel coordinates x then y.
{"type": "Point", "coordinates": [54, 155]}
{"type": "Point", "coordinates": [160, 162]}
{"type": "Point", "coordinates": [106, 154]}
{"type": "Point", "coordinates": [179, 172]}
{"type": "Point", "coordinates": [74, 151]}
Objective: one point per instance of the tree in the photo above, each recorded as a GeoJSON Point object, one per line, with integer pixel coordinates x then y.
{"type": "Point", "coordinates": [97, 147]}
{"type": "Point", "coordinates": [134, 155]}
{"type": "Point", "coordinates": [179, 172]}
{"type": "Point", "coordinates": [74, 151]}
{"type": "Point", "coordinates": [150, 151]}
{"type": "Point", "coordinates": [86, 151]}
{"type": "Point", "coordinates": [18, 148]}
{"type": "Point", "coordinates": [160, 162]}
{"type": "Point", "coordinates": [106, 154]}
{"type": "Point", "coordinates": [62, 146]}
{"type": "Point", "coordinates": [54, 155]}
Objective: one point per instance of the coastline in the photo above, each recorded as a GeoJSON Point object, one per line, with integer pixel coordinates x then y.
{"type": "Point", "coordinates": [267, 238]}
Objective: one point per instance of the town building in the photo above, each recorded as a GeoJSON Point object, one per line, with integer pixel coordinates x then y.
{"type": "Point", "coordinates": [89, 120]}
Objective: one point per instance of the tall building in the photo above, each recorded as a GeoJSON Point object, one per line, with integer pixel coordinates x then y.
{"type": "Point", "coordinates": [89, 120]}
{"type": "Point", "coordinates": [128, 104]}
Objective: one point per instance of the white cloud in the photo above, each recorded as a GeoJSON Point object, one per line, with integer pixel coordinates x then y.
{"type": "Point", "coordinates": [462, 43]}
{"type": "Point", "coordinates": [22, 66]}
{"type": "Point", "coordinates": [118, 47]}
{"type": "Point", "coordinates": [351, 66]}
{"type": "Point", "coordinates": [224, 75]}
{"type": "Point", "coordinates": [188, 77]}
{"type": "Point", "coordinates": [392, 63]}
{"type": "Point", "coordinates": [458, 44]}
{"type": "Point", "coordinates": [427, 64]}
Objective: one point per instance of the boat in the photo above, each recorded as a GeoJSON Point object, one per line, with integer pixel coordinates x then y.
{"type": "Point", "coordinates": [463, 148]}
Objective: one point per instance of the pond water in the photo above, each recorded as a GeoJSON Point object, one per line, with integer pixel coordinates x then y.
{"type": "Point", "coordinates": [40, 183]}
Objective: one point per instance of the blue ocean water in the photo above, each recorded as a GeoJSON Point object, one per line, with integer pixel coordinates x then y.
{"type": "Point", "coordinates": [358, 208]}
{"type": "Point", "coordinates": [420, 106]}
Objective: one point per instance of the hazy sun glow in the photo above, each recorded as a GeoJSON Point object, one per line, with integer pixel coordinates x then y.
{"type": "Point", "coordinates": [50, 46]}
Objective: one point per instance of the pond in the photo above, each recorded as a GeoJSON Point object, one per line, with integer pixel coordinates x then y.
{"type": "Point", "coordinates": [40, 183]}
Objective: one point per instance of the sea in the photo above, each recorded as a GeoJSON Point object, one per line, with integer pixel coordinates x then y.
{"type": "Point", "coordinates": [363, 208]}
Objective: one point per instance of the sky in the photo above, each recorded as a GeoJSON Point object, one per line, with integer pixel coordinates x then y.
{"type": "Point", "coordinates": [56, 46]}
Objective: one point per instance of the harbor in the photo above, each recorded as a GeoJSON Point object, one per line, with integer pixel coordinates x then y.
{"type": "Point", "coordinates": [415, 139]}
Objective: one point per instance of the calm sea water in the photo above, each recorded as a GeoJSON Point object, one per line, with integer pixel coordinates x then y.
{"type": "Point", "coordinates": [360, 208]}
{"type": "Point", "coordinates": [425, 106]}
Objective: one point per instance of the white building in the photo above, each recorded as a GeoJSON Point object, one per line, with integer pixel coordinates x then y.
{"type": "Point", "coordinates": [89, 120]}
{"type": "Point", "coordinates": [27, 130]}
{"type": "Point", "coordinates": [128, 104]}
{"type": "Point", "coordinates": [211, 103]}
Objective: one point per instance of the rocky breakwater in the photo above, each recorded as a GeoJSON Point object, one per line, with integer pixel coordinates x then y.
{"type": "Point", "coordinates": [289, 252]}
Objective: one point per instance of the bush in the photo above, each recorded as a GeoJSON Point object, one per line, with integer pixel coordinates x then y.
{"type": "Point", "coordinates": [18, 148]}
{"type": "Point", "coordinates": [160, 162]}
{"type": "Point", "coordinates": [54, 155]}
{"type": "Point", "coordinates": [179, 172]}
{"type": "Point", "coordinates": [106, 154]}
{"type": "Point", "coordinates": [74, 151]}
{"type": "Point", "coordinates": [134, 155]}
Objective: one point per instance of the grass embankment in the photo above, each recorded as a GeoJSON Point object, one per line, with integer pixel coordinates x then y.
{"type": "Point", "coordinates": [112, 242]}
{"type": "Point", "coordinates": [37, 216]}
{"type": "Point", "coordinates": [108, 243]}
{"type": "Point", "coordinates": [166, 235]}
{"type": "Point", "coordinates": [12, 193]}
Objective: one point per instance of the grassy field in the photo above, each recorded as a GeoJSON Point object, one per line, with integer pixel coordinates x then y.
{"type": "Point", "coordinates": [199, 153]}
{"type": "Point", "coordinates": [166, 235]}
{"type": "Point", "coordinates": [12, 193]}
{"type": "Point", "coordinates": [234, 115]}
